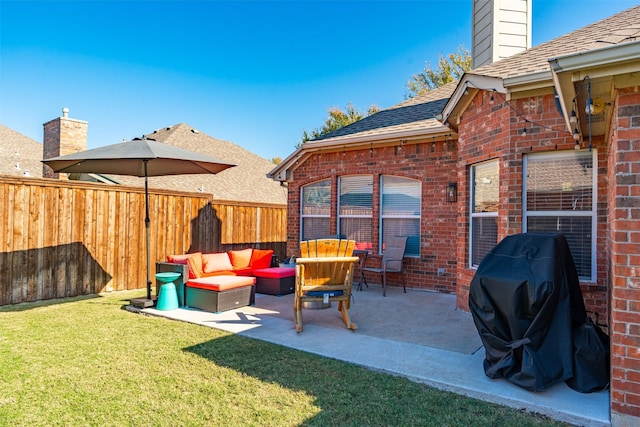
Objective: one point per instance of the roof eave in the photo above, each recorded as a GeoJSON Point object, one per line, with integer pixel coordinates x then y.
{"type": "Point", "coordinates": [350, 142]}
{"type": "Point", "coordinates": [528, 82]}
{"type": "Point", "coordinates": [601, 57]}
{"type": "Point", "coordinates": [459, 100]}
{"type": "Point", "coordinates": [602, 62]}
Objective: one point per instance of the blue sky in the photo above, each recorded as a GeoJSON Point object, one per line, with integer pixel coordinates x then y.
{"type": "Point", "coordinates": [256, 73]}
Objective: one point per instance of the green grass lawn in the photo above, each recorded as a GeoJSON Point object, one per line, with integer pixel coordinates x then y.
{"type": "Point", "coordinates": [87, 361]}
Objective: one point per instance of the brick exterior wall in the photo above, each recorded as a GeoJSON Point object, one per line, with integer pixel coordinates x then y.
{"type": "Point", "coordinates": [414, 160]}
{"type": "Point", "coordinates": [494, 131]}
{"type": "Point", "coordinates": [623, 250]}
{"type": "Point", "coordinates": [63, 136]}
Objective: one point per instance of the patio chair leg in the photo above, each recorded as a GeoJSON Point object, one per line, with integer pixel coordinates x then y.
{"type": "Point", "coordinates": [344, 310]}
{"type": "Point", "coordinates": [384, 285]}
{"type": "Point", "coordinates": [297, 314]}
{"type": "Point", "coordinates": [404, 286]}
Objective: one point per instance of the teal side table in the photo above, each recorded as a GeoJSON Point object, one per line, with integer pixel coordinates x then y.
{"type": "Point", "coordinates": [168, 296]}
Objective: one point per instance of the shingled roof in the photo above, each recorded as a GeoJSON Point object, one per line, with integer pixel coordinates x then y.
{"type": "Point", "coordinates": [416, 117]}
{"type": "Point", "coordinates": [19, 154]}
{"type": "Point", "coordinates": [416, 113]}
{"type": "Point", "coordinates": [620, 28]}
{"type": "Point", "coordinates": [419, 112]}
{"type": "Point", "coordinates": [246, 182]}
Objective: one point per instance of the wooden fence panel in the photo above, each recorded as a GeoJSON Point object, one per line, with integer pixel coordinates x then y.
{"type": "Point", "coordinates": [67, 238]}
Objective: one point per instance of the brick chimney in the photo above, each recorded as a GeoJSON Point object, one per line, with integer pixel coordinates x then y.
{"type": "Point", "coordinates": [63, 136]}
{"type": "Point", "coordinates": [500, 28]}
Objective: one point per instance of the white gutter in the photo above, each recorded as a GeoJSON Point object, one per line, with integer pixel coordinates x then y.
{"type": "Point", "coordinates": [563, 69]}
{"type": "Point", "coordinates": [528, 79]}
{"type": "Point", "coordinates": [355, 139]}
{"type": "Point", "coordinates": [596, 57]}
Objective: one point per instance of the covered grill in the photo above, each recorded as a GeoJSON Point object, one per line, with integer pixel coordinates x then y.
{"type": "Point", "coordinates": [527, 306]}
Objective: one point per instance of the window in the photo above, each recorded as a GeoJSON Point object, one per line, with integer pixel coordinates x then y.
{"type": "Point", "coordinates": [559, 197]}
{"type": "Point", "coordinates": [355, 209]}
{"type": "Point", "coordinates": [484, 210]}
{"type": "Point", "coordinates": [315, 210]}
{"type": "Point", "coordinates": [400, 211]}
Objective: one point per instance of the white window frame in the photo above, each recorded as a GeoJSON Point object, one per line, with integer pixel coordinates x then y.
{"type": "Point", "coordinates": [302, 200]}
{"type": "Point", "coordinates": [568, 213]}
{"type": "Point", "coordinates": [417, 217]}
{"type": "Point", "coordinates": [472, 213]}
{"type": "Point", "coordinates": [344, 180]}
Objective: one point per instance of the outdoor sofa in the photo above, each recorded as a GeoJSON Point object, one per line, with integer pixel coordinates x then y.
{"type": "Point", "coordinates": [225, 280]}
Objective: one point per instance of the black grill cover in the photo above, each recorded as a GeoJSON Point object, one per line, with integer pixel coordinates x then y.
{"type": "Point", "coordinates": [525, 299]}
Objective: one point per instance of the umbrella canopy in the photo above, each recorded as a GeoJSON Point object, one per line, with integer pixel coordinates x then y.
{"type": "Point", "coordinates": [140, 157]}
{"type": "Point", "coordinates": [128, 158]}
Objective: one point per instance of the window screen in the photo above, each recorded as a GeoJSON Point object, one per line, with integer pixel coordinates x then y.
{"type": "Point", "coordinates": [484, 210]}
{"type": "Point", "coordinates": [355, 207]}
{"type": "Point", "coordinates": [560, 198]}
{"type": "Point", "coordinates": [315, 210]}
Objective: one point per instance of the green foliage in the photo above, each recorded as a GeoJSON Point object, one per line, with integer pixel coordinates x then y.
{"type": "Point", "coordinates": [337, 119]}
{"type": "Point", "coordinates": [450, 69]}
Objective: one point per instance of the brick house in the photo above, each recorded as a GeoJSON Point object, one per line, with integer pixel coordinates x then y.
{"type": "Point", "coordinates": [509, 148]}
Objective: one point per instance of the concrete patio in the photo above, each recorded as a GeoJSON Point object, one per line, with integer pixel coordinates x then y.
{"type": "Point", "coordinates": [419, 335]}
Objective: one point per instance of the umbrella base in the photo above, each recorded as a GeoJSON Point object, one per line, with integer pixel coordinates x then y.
{"type": "Point", "coordinates": [143, 302]}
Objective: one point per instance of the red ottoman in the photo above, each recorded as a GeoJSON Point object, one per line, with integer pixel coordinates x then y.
{"type": "Point", "coordinates": [219, 293]}
{"type": "Point", "coordinates": [275, 281]}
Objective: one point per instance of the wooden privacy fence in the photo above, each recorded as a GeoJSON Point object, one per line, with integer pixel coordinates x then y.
{"type": "Point", "coordinates": [68, 238]}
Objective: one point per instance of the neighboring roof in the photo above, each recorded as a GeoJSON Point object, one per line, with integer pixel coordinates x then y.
{"type": "Point", "coordinates": [246, 182]}
{"type": "Point", "coordinates": [19, 154]}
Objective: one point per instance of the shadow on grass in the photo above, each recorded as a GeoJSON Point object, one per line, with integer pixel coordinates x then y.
{"type": "Point", "coordinates": [346, 394]}
{"type": "Point", "coordinates": [350, 395]}
{"type": "Point", "coordinates": [31, 305]}
{"type": "Point", "coordinates": [331, 383]}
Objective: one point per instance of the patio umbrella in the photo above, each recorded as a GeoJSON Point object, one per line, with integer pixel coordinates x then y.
{"type": "Point", "coordinates": [141, 157]}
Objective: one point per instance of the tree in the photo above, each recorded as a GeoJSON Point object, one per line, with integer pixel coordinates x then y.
{"type": "Point", "coordinates": [336, 120]}
{"type": "Point", "coordinates": [276, 160]}
{"type": "Point", "coordinates": [450, 69]}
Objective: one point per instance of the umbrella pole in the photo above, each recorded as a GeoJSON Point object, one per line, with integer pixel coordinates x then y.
{"type": "Point", "coordinates": [146, 224]}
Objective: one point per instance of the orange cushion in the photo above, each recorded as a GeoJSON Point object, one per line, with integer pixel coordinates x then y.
{"type": "Point", "coordinates": [235, 272]}
{"type": "Point", "coordinates": [240, 258]}
{"type": "Point", "coordinates": [215, 262]}
{"type": "Point", "coordinates": [221, 283]}
{"type": "Point", "coordinates": [195, 266]}
{"type": "Point", "coordinates": [261, 258]}
{"type": "Point", "coordinates": [181, 259]}
{"type": "Point", "coordinates": [246, 271]}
